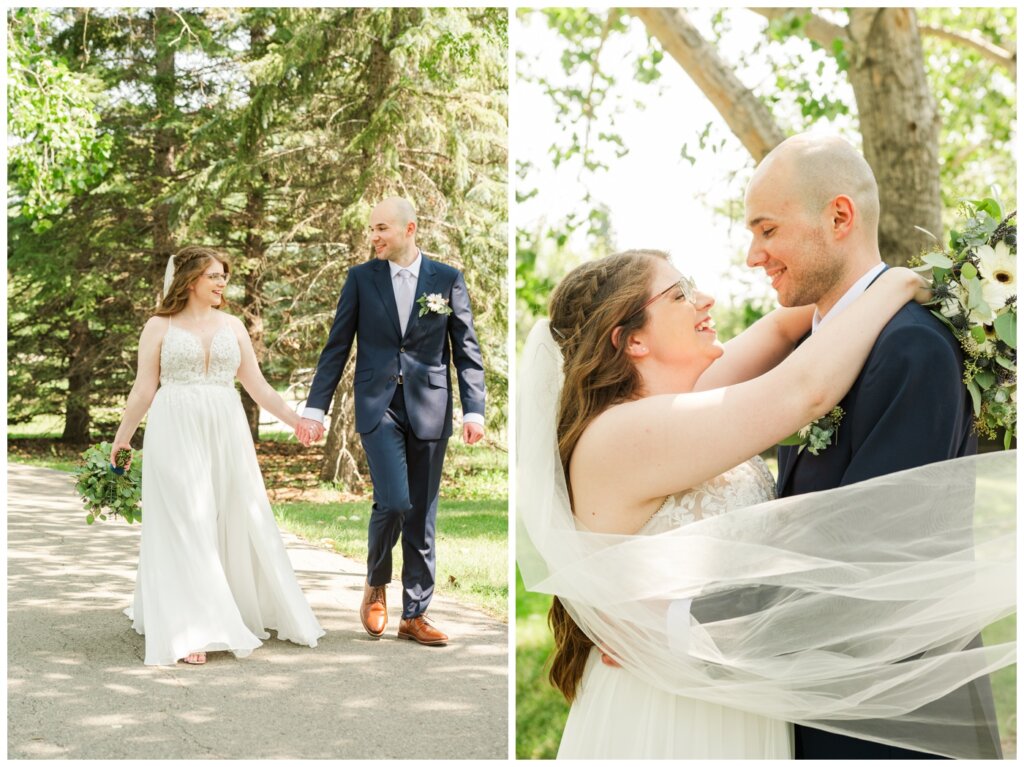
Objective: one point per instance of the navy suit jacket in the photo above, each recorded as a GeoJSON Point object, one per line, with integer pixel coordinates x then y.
{"type": "Point", "coordinates": [908, 407]}
{"type": "Point", "coordinates": [367, 309]}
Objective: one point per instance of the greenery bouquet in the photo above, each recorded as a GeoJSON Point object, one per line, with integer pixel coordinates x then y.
{"type": "Point", "coordinates": [976, 297]}
{"type": "Point", "coordinates": [106, 489]}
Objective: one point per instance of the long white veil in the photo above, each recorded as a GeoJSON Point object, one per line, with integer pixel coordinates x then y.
{"type": "Point", "coordinates": [855, 610]}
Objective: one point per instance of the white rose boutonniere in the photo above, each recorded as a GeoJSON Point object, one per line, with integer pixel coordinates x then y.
{"type": "Point", "coordinates": [433, 303]}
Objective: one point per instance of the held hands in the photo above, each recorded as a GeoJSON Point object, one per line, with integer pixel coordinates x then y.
{"type": "Point", "coordinates": [308, 431]}
{"type": "Point", "coordinates": [472, 433]}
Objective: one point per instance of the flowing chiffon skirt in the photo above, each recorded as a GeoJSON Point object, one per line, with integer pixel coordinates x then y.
{"type": "Point", "coordinates": [213, 572]}
{"type": "Point", "coordinates": [616, 715]}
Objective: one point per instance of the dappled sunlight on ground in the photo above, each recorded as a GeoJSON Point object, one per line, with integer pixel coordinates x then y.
{"type": "Point", "coordinates": [77, 687]}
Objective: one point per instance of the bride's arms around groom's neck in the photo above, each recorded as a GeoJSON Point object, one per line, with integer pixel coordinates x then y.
{"type": "Point", "coordinates": [636, 453]}
{"type": "Point", "coordinates": [759, 348]}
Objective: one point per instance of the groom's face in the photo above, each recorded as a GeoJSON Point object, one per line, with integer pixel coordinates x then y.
{"type": "Point", "coordinates": [789, 242]}
{"type": "Point", "coordinates": [390, 236]}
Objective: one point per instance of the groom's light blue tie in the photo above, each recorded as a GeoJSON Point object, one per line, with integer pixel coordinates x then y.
{"type": "Point", "coordinates": [403, 297]}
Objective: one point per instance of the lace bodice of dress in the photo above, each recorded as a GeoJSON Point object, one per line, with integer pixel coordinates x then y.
{"type": "Point", "coordinates": [745, 485]}
{"type": "Point", "coordinates": [182, 357]}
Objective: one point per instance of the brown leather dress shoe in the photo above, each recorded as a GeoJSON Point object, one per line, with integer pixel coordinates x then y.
{"type": "Point", "coordinates": [373, 612]}
{"type": "Point", "coordinates": [420, 630]}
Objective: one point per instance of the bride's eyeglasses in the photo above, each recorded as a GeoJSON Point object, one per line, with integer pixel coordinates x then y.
{"type": "Point", "coordinates": [218, 277]}
{"type": "Point", "coordinates": [686, 287]}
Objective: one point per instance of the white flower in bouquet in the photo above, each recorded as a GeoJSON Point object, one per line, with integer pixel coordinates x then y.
{"type": "Point", "coordinates": [998, 270]}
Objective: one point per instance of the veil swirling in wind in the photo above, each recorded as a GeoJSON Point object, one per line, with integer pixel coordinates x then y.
{"type": "Point", "coordinates": [854, 610]}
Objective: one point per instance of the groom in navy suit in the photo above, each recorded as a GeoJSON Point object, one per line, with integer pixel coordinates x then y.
{"type": "Point", "coordinates": [412, 317]}
{"type": "Point", "coordinates": [812, 207]}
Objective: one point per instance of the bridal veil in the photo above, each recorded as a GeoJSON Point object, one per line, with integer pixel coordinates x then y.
{"type": "Point", "coordinates": [855, 610]}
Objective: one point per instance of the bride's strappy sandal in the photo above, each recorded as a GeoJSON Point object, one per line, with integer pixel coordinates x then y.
{"type": "Point", "coordinates": [195, 658]}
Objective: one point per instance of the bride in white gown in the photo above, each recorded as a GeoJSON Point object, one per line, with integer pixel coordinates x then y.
{"type": "Point", "coordinates": [213, 572]}
{"type": "Point", "coordinates": [634, 334]}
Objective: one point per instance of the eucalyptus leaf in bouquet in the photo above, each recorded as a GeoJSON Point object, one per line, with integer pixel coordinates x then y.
{"type": "Point", "coordinates": [110, 490]}
{"type": "Point", "coordinates": [976, 297]}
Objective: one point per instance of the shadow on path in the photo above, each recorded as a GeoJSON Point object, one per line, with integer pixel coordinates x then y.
{"type": "Point", "coordinates": [77, 687]}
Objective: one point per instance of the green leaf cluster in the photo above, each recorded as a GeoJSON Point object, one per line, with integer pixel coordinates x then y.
{"type": "Point", "coordinates": [105, 492]}
{"type": "Point", "coordinates": [987, 334]}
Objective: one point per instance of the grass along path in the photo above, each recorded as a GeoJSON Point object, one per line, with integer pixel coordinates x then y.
{"type": "Point", "coordinates": [471, 544]}
{"type": "Point", "coordinates": [472, 522]}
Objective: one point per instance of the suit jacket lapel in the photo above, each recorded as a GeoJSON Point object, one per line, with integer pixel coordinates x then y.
{"type": "Point", "coordinates": [789, 454]}
{"type": "Point", "coordinates": [382, 281]}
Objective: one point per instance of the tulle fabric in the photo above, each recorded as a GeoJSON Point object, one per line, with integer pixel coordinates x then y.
{"type": "Point", "coordinates": [852, 610]}
{"type": "Point", "coordinates": [618, 715]}
{"type": "Point", "coordinates": [213, 572]}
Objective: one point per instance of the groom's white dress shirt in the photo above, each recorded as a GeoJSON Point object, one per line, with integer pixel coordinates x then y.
{"type": "Point", "coordinates": [848, 297]}
{"type": "Point", "coordinates": [404, 300]}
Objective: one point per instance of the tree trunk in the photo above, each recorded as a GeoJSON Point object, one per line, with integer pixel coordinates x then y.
{"type": "Point", "coordinates": [255, 249]}
{"type": "Point", "coordinates": [164, 140]}
{"type": "Point", "coordinates": [344, 458]}
{"type": "Point", "coordinates": [899, 123]}
{"type": "Point", "coordinates": [252, 301]}
{"type": "Point", "coordinates": [76, 412]}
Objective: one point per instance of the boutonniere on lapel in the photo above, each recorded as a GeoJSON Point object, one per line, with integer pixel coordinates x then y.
{"type": "Point", "coordinates": [433, 303]}
{"type": "Point", "coordinates": [818, 435]}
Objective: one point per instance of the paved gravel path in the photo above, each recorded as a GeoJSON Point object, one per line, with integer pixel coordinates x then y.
{"type": "Point", "coordinates": [77, 687]}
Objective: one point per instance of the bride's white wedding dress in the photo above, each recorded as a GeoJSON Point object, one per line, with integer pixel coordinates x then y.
{"type": "Point", "coordinates": [213, 572]}
{"type": "Point", "coordinates": [617, 715]}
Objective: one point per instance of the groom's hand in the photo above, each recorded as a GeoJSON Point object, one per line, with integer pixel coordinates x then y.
{"type": "Point", "coordinates": [472, 433]}
{"type": "Point", "coordinates": [308, 431]}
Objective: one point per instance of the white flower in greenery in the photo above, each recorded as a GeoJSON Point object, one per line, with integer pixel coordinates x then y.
{"type": "Point", "coordinates": [998, 270]}
{"type": "Point", "coordinates": [433, 303]}
{"type": "Point", "coordinates": [981, 314]}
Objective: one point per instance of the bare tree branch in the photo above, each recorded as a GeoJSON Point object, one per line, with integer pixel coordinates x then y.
{"type": "Point", "coordinates": [973, 40]}
{"type": "Point", "coordinates": [817, 29]}
{"type": "Point", "coordinates": [749, 119]}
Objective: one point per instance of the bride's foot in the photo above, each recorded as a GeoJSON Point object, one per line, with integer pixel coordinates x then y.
{"type": "Point", "coordinates": [195, 658]}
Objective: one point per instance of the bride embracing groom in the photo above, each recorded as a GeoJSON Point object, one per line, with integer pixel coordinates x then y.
{"type": "Point", "coordinates": [694, 616]}
{"type": "Point", "coordinates": [213, 572]}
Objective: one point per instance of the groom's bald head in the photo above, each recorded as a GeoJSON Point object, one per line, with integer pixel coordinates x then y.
{"type": "Point", "coordinates": [812, 209]}
{"type": "Point", "coordinates": [398, 209]}
{"type": "Point", "coordinates": [814, 170]}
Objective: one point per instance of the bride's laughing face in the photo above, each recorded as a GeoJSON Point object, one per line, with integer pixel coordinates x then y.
{"type": "Point", "coordinates": [209, 288]}
{"type": "Point", "coordinates": [679, 331]}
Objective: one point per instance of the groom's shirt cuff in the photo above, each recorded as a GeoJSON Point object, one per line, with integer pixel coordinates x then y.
{"type": "Point", "coordinates": [473, 418]}
{"type": "Point", "coordinates": [313, 413]}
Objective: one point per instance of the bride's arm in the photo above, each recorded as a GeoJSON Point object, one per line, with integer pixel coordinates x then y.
{"type": "Point", "coordinates": [668, 442]}
{"type": "Point", "coordinates": [252, 379]}
{"type": "Point", "coordinates": [759, 348]}
{"type": "Point", "coordinates": [147, 380]}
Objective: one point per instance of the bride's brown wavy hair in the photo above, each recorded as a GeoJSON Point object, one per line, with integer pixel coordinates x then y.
{"type": "Point", "coordinates": [588, 304]}
{"type": "Point", "coordinates": [189, 264]}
